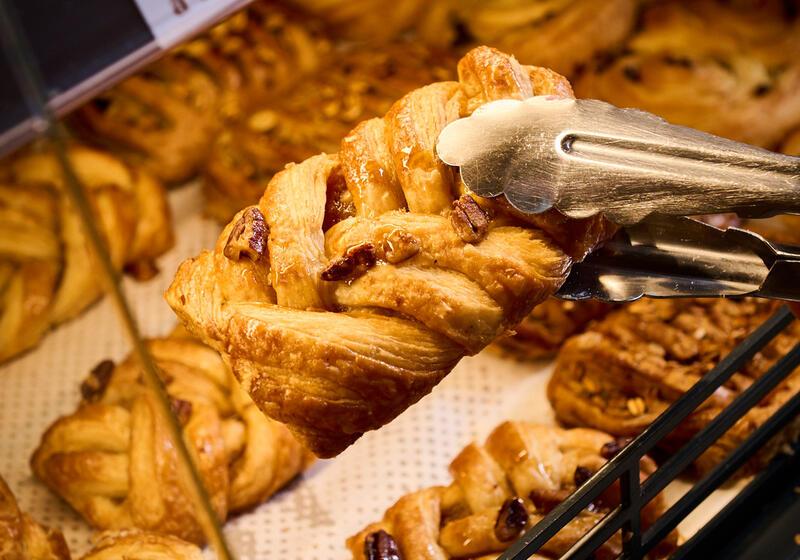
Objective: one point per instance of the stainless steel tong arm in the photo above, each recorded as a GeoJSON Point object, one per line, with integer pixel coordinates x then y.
{"type": "Point", "coordinates": [584, 157]}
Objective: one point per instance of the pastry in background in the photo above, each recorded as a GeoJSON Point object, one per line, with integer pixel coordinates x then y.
{"type": "Point", "coordinates": [48, 272]}
{"type": "Point", "coordinates": [357, 84]}
{"type": "Point", "coordinates": [560, 34]}
{"type": "Point", "coordinates": [729, 68]}
{"type": "Point", "coordinates": [138, 545]}
{"type": "Point", "coordinates": [791, 144]}
{"type": "Point", "coordinates": [628, 368]}
{"type": "Point", "coordinates": [499, 490]}
{"type": "Point", "coordinates": [113, 462]}
{"type": "Point", "coordinates": [22, 538]}
{"type": "Point", "coordinates": [542, 333]}
{"type": "Point", "coordinates": [361, 279]}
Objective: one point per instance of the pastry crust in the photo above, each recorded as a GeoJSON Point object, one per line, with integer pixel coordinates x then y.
{"type": "Point", "coordinates": [364, 292]}
{"type": "Point", "coordinates": [112, 459]}
{"type": "Point", "coordinates": [560, 34]}
{"type": "Point", "coordinates": [138, 545]}
{"type": "Point", "coordinates": [22, 538]}
{"type": "Point", "coordinates": [48, 272]}
{"type": "Point", "coordinates": [499, 490]}
{"type": "Point", "coordinates": [631, 366]}
{"type": "Point", "coordinates": [729, 68]}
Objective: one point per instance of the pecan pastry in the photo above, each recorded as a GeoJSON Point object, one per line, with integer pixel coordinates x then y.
{"type": "Point", "coordinates": [729, 68]}
{"type": "Point", "coordinates": [499, 490]}
{"type": "Point", "coordinates": [542, 333]}
{"type": "Point", "coordinates": [321, 110]}
{"type": "Point", "coordinates": [138, 545]}
{"type": "Point", "coordinates": [376, 277]}
{"type": "Point", "coordinates": [22, 538]}
{"type": "Point", "coordinates": [48, 272]}
{"type": "Point", "coordinates": [112, 459]}
{"type": "Point", "coordinates": [543, 32]}
{"type": "Point", "coordinates": [628, 368]}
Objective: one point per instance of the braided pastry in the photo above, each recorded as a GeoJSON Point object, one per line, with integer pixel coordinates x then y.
{"type": "Point", "coordinates": [729, 68]}
{"type": "Point", "coordinates": [629, 367]}
{"type": "Point", "coordinates": [112, 461]}
{"type": "Point", "coordinates": [22, 538]}
{"type": "Point", "coordinates": [559, 34]}
{"type": "Point", "coordinates": [358, 282]}
{"type": "Point", "coordinates": [47, 269]}
{"type": "Point", "coordinates": [137, 545]}
{"type": "Point", "coordinates": [359, 84]}
{"type": "Point", "coordinates": [499, 490]}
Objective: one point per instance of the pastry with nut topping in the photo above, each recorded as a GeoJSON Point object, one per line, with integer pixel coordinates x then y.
{"type": "Point", "coordinates": [631, 366]}
{"type": "Point", "coordinates": [139, 545]}
{"type": "Point", "coordinates": [380, 272]}
{"type": "Point", "coordinates": [499, 490]}
{"type": "Point", "coordinates": [112, 460]}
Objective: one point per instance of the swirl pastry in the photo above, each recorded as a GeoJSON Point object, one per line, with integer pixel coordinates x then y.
{"type": "Point", "coordinates": [362, 278]}
{"type": "Point", "coordinates": [137, 545]}
{"type": "Point", "coordinates": [112, 461]}
{"type": "Point", "coordinates": [22, 538]}
{"type": "Point", "coordinates": [729, 68]}
{"type": "Point", "coordinates": [500, 489]}
{"type": "Point", "coordinates": [559, 34]}
{"type": "Point", "coordinates": [47, 269]}
{"type": "Point", "coordinates": [629, 367]}
{"type": "Point", "coordinates": [360, 84]}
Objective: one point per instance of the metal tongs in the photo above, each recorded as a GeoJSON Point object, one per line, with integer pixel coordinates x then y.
{"type": "Point", "coordinates": [584, 157]}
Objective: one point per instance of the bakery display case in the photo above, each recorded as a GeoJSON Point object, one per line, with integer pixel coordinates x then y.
{"type": "Point", "coordinates": [247, 311]}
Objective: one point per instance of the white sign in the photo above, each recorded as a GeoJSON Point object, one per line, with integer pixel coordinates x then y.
{"type": "Point", "coordinates": [173, 21]}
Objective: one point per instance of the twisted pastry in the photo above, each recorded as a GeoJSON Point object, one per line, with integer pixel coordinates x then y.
{"type": "Point", "coordinates": [500, 489]}
{"type": "Point", "coordinates": [358, 282]}
{"type": "Point", "coordinates": [729, 68]}
{"type": "Point", "coordinates": [112, 461]}
{"type": "Point", "coordinates": [137, 545]}
{"type": "Point", "coordinates": [359, 84]}
{"type": "Point", "coordinates": [559, 34]}
{"type": "Point", "coordinates": [629, 367]}
{"type": "Point", "coordinates": [22, 538]}
{"type": "Point", "coordinates": [47, 269]}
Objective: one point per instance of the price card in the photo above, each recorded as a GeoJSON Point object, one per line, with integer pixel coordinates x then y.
{"type": "Point", "coordinates": [172, 21]}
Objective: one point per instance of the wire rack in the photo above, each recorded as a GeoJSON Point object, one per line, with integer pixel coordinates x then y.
{"type": "Point", "coordinates": [625, 466]}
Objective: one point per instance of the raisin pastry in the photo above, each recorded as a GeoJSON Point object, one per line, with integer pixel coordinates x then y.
{"type": "Point", "coordinates": [543, 32]}
{"type": "Point", "coordinates": [361, 279]}
{"type": "Point", "coordinates": [542, 333]}
{"type": "Point", "coordinates": [499, 490]}
{"type": "Point", "coordinates": [138, 545]}
{"type": "Point", "coordinates": [112, 459]}
{"type": "Point", "coordinates": [729, 68]}
{"type": "Point", "coordinates": [359, 84]}
{"type": "Point", "coordinates": [22, 538]}
{"type": "Point", "coordinates": [631, 366]}
{"type": "Point", "coordinates": [48, 273]}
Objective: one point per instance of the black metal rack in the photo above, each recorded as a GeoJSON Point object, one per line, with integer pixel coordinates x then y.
{"type": "Point", "coordinates": [625, 466]}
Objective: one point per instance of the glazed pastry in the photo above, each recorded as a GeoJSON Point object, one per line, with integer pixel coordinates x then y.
{"type": "Point", "coordinates": [499, 490]}
{"type": "Point", "coordinates": [361, 279]}
{"type": "Point", "coordinates": [628, 368]}
{"type": "Point", "coordinates": [22, 538]}
{"type": "Point", "coordinates": [112, 461]}
{"type": "Point", "coordinates": [47, 269]}
{"type": "Point", "coordinates": [560, 34]}
{"type": "Point", "coordinates": [542, 333]}
{"type": "Point", "coordinates": [791, 145]}
{"type": "Point", "coordinates": [137, 545]}
{"type": "Point", "coordinates": [358, 84]}
{"type": "Point", "coordinates": [729, 68]}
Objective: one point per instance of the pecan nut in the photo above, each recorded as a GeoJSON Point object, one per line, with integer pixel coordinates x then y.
{"type": "Point", "coordinates": [181, 409]}
{"type": "Point", "coordinates": [400, 245]}
{"type": "Point", "coordinates": [354, 263]}
{"type": "Point", "coordinates": [94, 386]}
{"type": "Point", "coordinates": [248, 236]}
{"type": "Point", "coordinates": [381, 546]}
{"type": "Point", "coordinates": [511, 520]}
{"type": "Point", "coordinates": [469, 220]}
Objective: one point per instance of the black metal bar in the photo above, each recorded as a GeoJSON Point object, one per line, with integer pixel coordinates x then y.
{"type": "Point", "coordinates": [631, 499]}
{"type": "Point", "coordinates": [600, 533]}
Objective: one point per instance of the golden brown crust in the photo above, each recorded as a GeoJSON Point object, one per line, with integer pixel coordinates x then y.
{"type": "Point", "coordinates": [138, 545]}
{"type": "Point", "coordinates": [334, 358]}
{"type": "Point", "coordinates": [22, 538]}
{"type": "Point", "coordinates": [729, 68]}
{"type": "Point", "coordinates": [48, 272]}
{"type": "Point", "coordinates": [629, 367]}
{"type": "Point", "coordinates": [111, 459]}
{"type": "Point", "coordinates": [501, 488]}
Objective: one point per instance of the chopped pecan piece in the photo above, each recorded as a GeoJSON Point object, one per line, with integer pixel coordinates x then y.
{"type": "Point", "coordinates": [355, 262]}
{"type": "Point", "coordinates": [399, 246]}
{"type": "Point", "coordinates": [182, 410]}
{"type": "Point", "coordinates": [511, 520]}
{"type": "Point", "coordinates": [469, 220]}
{"type": "Point", "coordinates": [248, 236]}
{"type": "Point", "coordinates": [94, 386]}
{"type": "Point", "coordinates": [381, 546]}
